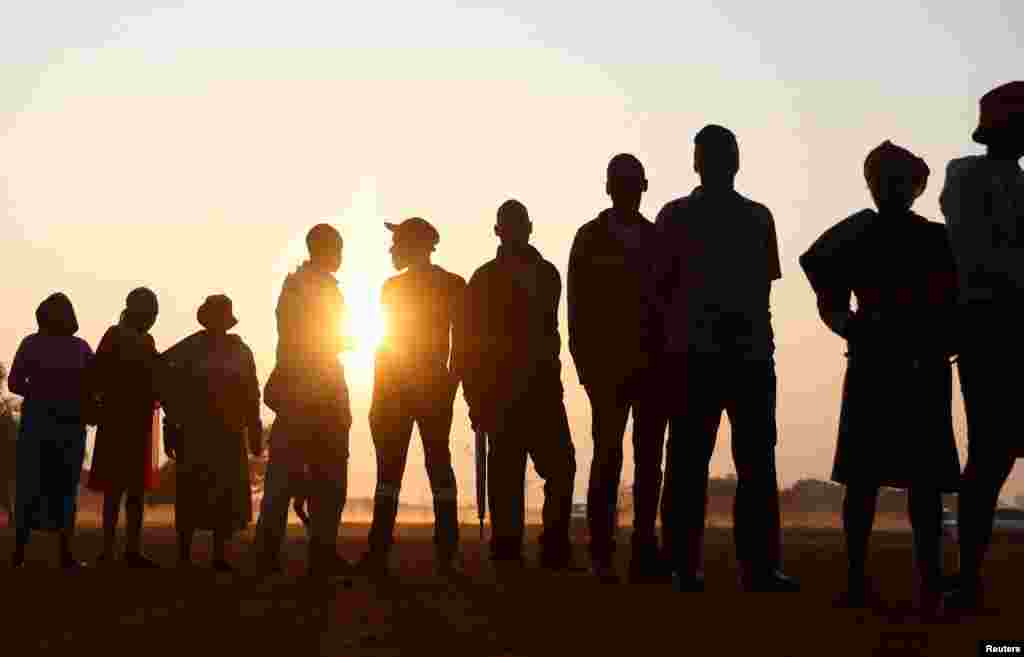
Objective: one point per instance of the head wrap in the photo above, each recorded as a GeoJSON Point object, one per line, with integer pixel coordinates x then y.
{"type": "Point", "coordinates": [56, 316]}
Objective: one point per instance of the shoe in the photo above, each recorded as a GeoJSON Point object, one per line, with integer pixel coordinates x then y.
{"type": "Point", "coordinates": [18, 560]}
{"type": "Point", "coordinates": [448, 567]}
{"type": "Point", "coordinates": [222, 566]}
{"type": "Point", "coordinates": [771, 581]}
{"type": "Point", "coordinates": [648, 566]}
{"type": "Point", "coordinates": [688, 583]}
{"type": "Point", "coordinates": [605, 573]}
{"type": "Point", "coordinates": [330, 565]}
{"type": "Point", "coordinates": [561, 562]}
{"type": "Point", "coordinates": [68, 562]}
{"type": "Point", "coordinates": [373, 564]}
{"type": "Point", "coordinates": [137, 560]}
{"type": "Point", "coordinates": [964, 599]}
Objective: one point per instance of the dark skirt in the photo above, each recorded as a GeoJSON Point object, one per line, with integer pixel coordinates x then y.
{"type": "Point", "coordinates": [50, 451]}
{"type": "Point", "coordinates": [212, 486]}
{"type": "Point", "coordinates": [896, 424]}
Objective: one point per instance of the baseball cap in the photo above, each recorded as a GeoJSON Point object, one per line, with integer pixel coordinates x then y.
{"type": "Point", "coordinates": [415, 229]}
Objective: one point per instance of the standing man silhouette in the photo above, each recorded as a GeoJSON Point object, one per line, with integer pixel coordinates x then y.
{"type": "Point", "coordinates": [720, 258]}
{"type": "Point", "coordinates": [613, 337]}
{"type": "Point", "coordinates": [983, 201]}
{"type": "Point", "coordinates": [308, 391]}
{"type": "Point", "coordinates": [416, 375]}
{"type": "Point", "coordinates": [513, 386]}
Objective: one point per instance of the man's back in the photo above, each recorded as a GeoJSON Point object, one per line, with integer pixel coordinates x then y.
{"type": "Point", "coordinates": [421, 307]}
{"type": "Point", "coordinates": [721, 255]}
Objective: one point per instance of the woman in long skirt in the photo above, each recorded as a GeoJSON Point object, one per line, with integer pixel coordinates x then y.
{"type": "Point", "coordinates": [895, 425]}
{"type": "Point", "coordinates": [212, 400]}
{"type": "Point", "coordinates": [123, 378]}
{"type": "Point", "coordinates": [48, 372]}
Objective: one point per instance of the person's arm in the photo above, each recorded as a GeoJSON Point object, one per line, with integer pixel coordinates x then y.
{"type": "Point", "coordinates": [551, 309]}
{"type": "Point", "coordinates": [254, 423]}
{"type": "Point", "coordinates": [577, 306]}
{"type": "Point", "coordinates": [458, 331]}
{"type": "Point", "coordinates": [472, 341]}
{"type": "Point", "coordinates": [822, 264]}
{"type": "Point", "coordinates": [19, 379]}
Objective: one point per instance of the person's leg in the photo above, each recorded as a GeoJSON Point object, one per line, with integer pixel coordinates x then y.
{"type": "Point", "coordinates": [111, 511]}
{"type": "Point", "coordinates": [134, 508]}
{"type": "Point", "coordinates": [391, 435]}
{"type": "Point", "coordinates": [609, 412]}
{"type": "Point", "coordinates": [219, 560]}
{"type": "Point", "coordinates": [554, 458]}
{"type": "Point", "coordinates": [693, 429]}
{"type": "Point", "coordinates": [859, 504]}
{"type": "Point", "coordinates": [506, 474]}
{"type": "Point", "coordinates": [273, 520]}
{"type": "Point", "coordinates": [987, 400]}
{"type": "Point", "coordinates": [924, 505]}
{"type": "Point", "coordinates": [435, 426]}
{"type": "Point", "coordinates": [330, 486]}
{"type": "Point", "coordinates": [649, 423]}
{"type": "Point", "coordinates": [750, 404]}
{"type": "Point", "coordinates": [185, 535]}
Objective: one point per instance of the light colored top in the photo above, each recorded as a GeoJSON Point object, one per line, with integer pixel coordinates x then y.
{"type": "Point", "coordinates": [983, 201]}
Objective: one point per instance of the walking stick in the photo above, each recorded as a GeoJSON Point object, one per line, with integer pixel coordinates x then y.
{"type": "Point", "coordinates": [481, 479]}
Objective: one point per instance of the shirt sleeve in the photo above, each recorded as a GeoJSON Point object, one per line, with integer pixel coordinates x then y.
{"type": "Point", "coordinates": [19, 379]}
{"type": "Point", "coordinates": [772, 244]}
{"type": "Point", "coordinates": [575, 306]}
{"type": "Point", "coordinates": [458, 326]}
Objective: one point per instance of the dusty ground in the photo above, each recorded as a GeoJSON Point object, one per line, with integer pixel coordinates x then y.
{"type": "Point", "coordinates": [115, 612]}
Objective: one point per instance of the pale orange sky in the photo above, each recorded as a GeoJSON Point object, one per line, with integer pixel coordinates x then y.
{"type": "Point", "coordinates": [190, 148]}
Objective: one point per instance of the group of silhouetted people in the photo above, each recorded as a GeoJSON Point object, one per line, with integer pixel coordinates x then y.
{"type": "Point", "coordinates": [668, 320]}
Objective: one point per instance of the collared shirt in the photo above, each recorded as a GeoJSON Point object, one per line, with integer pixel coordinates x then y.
{"type": "Point", "coordinates": [719, 257]}
{"type": "Point", "coordinates": [983, 201]}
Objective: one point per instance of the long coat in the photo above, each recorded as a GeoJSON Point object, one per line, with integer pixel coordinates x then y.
{"type": "Point", "coordinates": [895, 425]}
{"type": "Point", "coordinates": [123, 375]}
{"type": "Point", "coordinates": [212, 399]}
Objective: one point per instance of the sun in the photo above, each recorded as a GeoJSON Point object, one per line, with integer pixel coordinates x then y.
{"type": "Point", "coordinates": [363, 323]}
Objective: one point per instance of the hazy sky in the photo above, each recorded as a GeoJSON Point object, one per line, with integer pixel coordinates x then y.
{"type": "Point", "coordinates": [189, 146]}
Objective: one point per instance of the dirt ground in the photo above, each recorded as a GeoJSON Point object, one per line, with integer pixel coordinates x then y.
{"type": "Point", "coordinates": [168, 612]}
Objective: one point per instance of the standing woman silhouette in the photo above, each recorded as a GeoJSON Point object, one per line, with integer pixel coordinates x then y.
{"type": "Point", "coordinates": [123, 379]}
{"type": "Point", "coordinates": [48, 371]}
{"type": "Point", "coordinates": [895, 427]}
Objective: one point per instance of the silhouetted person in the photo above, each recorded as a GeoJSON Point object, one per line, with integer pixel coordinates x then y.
{"type": "Point", "coordinates": [123, 378]}
{"type": "Point", "coordinates": [513, 387]}
{"type": "Point", "coordinates": [614, 340]}
{"type": "Point", "coordinates": [212, 412]}
{"type": "Point", "coordinates": [308, 392]}
{"type": "Point", "coordinates": [720, 258]}
{"type": "Point", "coordinates": [983, 201]}
{"type": "Point", "coordinates": [49, 373]}
{"type": "Point", "coordinates": [415, 378]}
{"type": "Point", "coordinates": [896, 424]}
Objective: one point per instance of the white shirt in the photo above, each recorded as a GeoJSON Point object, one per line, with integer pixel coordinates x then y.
{"type": "Point", "coordinates": [983, 201]}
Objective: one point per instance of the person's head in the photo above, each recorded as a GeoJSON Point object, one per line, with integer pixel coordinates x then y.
{"type": "Point", "coordinates": [626, 181]}
{"type": "Point", "coordinates": [1001, 120]}
{"type": "Point", "coordinates": [513, 226]}
{"type": "Point", "coordinates": [140, 309]}
{"type": "Point", "coordinates": [895, 176]}
{"type": "Point", "coordinates": [56, 316]}
{"type": "Point", "coordinates": [412, 242]}
{"type": "Point", "coordinates": [216, 314]}
{"type": "Point", "coordinates": [324, 244]}
{"type": "Point", "coordinates": [716, 156]}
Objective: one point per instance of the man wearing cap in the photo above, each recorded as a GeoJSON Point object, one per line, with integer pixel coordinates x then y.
{"type": "Point", "coordinates": [715, 274]}
{"type": "Point", "coordinates": [307, 390]}
{"type": "Point", "coordinates": [613, 337]}
{"type": "Point", "coordinates": [983, 201]}
{"type": "Point", "coordinates": [416, 374]}
{"type": "Point", "coordinates": [513, 387]}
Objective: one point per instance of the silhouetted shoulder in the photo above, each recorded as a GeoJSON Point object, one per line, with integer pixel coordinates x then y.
{"type": "Point", "coordinates": [673, 209]}
{"type": "Point", "coordinates": [757, 210]}
{"type": "Point", "coordinates": [963, 167]}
